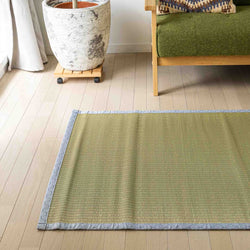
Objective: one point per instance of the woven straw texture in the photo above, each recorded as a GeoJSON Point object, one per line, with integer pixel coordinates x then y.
{"type": "Point", "coordinates": [155, 168]}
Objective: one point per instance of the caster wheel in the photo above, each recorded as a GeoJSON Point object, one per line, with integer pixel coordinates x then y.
{"type": "Point", "coordinates": [59, 80]}
{"type": "Point", "coordinates": [97, 79]}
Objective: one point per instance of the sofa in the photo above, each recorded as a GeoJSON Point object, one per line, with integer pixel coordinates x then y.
{"type": "Point", "coordinates": [200, 38]}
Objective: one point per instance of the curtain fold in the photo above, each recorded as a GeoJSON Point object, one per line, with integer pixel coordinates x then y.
{"type": "Point", "coordinates": [21, 34]}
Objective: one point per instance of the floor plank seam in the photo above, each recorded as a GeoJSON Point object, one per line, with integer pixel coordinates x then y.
{"type": "Point", "coordinates": [19, 151]}
{"type": "Point", "coordinates": [20, 120]}
{"type": "Point", "coordinates": [29, 167]}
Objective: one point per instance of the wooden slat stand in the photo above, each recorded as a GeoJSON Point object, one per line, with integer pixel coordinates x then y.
{"type": "Point", "coordinates": [62, 73]}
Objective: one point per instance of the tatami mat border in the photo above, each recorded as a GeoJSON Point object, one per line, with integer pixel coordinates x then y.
{"type": "Point", "coordinates": [164, 111]}
{"type": "Point", "coordinates": [149, 226]}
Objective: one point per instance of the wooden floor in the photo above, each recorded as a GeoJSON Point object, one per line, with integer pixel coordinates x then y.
{"type": "Point", "coordinates": [34, 112]}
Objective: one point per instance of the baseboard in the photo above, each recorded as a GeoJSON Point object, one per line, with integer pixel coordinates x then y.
{"type": "Point", "coordinates": [3, 66]}
{"type": "Point", "coordinates": [129, 48]}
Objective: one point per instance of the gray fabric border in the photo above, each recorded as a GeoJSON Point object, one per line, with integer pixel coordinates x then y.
{"type": "Point", "coordinates": [165, 111]}
{"type": "Point", "coordinates": [42, 224]}
{"type": "Point", "coordinates": [148, 226]}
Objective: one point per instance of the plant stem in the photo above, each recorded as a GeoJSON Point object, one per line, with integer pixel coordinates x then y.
{"type": "Point", "coordinates": [74, 2]}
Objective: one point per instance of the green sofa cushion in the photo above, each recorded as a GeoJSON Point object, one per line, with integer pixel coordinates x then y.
{"type": "Point", "coordinates": [202, 34]}
{"type": "Point", "coordinates": [241, 2]}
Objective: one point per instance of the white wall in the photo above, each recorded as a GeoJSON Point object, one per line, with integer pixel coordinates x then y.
{"type": "Point", "coordinates": [130, 27]}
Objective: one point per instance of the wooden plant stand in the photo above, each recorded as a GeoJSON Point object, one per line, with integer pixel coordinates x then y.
{"type": "Point", "coordinates": [62, 73]}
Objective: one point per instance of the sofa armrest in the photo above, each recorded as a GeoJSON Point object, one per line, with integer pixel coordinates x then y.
{"type": "Point", "coordinates": [150, 5]}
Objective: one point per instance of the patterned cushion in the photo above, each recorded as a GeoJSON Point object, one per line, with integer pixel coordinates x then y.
{"type": "Point", "coordinates": [213, 6]}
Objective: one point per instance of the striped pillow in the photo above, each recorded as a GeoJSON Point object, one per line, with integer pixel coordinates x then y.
{"type": "Point", "coordinates": [212, 6]}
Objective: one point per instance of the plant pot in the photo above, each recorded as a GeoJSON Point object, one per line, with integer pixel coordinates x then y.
{"type": "Point", "coordinates": [78, 37]}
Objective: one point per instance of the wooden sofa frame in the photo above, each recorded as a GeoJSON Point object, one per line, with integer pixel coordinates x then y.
{"type": "Point", "coordinates": [150, 5]}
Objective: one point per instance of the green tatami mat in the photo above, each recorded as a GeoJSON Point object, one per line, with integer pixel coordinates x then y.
{"type": "Point", "coordinates": [151, 171]}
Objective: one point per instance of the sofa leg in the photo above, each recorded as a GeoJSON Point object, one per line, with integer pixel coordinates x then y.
{"type": "Point", "coordinates": [155, 79]}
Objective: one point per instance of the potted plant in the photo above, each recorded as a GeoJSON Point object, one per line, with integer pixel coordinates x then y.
{"type": "Point", "coordinates": [78, 31]}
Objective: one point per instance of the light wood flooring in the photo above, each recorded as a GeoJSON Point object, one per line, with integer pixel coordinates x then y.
{"type": "Point", "coordinates": [34, 112]}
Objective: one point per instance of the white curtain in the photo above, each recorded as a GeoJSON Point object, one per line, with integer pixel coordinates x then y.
{"type": "Point", "coordinates": [21, 36]}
